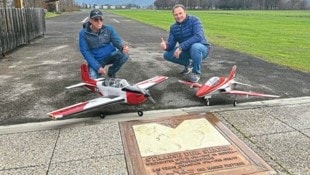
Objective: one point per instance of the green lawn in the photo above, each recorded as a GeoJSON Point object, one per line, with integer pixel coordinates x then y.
{"type": "Point", "coordinates": [281, 37]}
{"type": "Point", "coordinates": [50, 14]}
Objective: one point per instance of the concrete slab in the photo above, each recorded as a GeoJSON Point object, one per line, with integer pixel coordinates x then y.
{"type": "Point", "coordinates": [99, 165]}
{"type": "Point", "coordinates": [254, 122]}
{"type": "Point", "coordinates": [25, 170]}
{"type": "Point", "coordinates": [290, 150]}
{"type": "Point", "coordinates": [278, 168]}
{"type": "Point", "coordinates": [30, 149]}
{"type": "Point", "coordinates": [297, 116]}
{"type": "Point", "coordinates": [88, 142]}
{"type": "Point", "coordinates": [306, 132]}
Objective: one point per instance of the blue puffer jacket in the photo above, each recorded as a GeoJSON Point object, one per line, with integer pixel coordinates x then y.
{"type": "Point", "coordinates": [188, 32]}
{"type": "Point", "coordinates": [97, 46]}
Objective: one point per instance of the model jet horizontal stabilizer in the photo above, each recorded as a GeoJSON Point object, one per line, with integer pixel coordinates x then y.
{"type": "Point", "coordinates": [243, 84]}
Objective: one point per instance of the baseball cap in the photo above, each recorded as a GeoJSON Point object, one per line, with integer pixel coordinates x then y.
{"type": "Point", "coordinates": [96, 13]}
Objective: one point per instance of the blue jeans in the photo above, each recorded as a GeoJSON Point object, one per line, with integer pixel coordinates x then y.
{"type": "Point", "coordinates": [196, 53]}
{"type": "Point", "coordinates": [116, 58]}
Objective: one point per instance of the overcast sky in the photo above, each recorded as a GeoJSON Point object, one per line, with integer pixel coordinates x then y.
{"type": "Point", "coordinates": [117, 2]}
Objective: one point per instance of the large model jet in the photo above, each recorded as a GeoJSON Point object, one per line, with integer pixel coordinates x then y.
{"type": "Point", "coordinates": [222, 85]}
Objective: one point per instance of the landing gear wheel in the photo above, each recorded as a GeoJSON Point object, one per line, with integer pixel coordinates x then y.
{"type": "Point", "coordinates": [235, 103]}
{"type": "Point", "coordinates": [140, 113]}
{"type": "Point", "coordinates": [208, 103]}
{"type": "Point", "coordinates": [102, 115]}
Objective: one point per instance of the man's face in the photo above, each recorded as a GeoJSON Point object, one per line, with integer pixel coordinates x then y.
{"type": "Point", "coordinates": [179, 14]}
{"type": "Point", "coordinates": [96, 23]}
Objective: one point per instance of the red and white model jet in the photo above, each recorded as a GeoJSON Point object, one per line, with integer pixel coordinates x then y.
{"type": "Point", "coordinates": [111, 91]}
{"type": "Point", "coordinates": [222, 85]}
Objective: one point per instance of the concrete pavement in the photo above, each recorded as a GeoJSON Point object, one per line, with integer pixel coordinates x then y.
{"type": "Point", "coordinates": [33, 77]}
{"type": "Point", "coordinates": [33, 80]}
{"type": "Point", "coordinates": [277, 130]}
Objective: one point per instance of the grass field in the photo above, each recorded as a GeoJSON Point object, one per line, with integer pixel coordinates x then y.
{"type": "Point", "coordinates": [281, 37]}
{"type": "Point", "coordinates": [50, 14]}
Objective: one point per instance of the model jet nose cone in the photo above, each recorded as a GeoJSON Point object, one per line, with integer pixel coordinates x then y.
{"type": "Point", "coordinates": [204, 90]}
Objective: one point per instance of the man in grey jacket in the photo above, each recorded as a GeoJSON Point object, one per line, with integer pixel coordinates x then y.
{"type": "Point", "coordinates": [192, 47]}
{"type": "Point", "coordinates": [100, 45]}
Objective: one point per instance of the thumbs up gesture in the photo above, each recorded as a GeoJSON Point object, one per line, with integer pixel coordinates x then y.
{"type": "Point", "coordinates": [125, 48]}
{"type": "Point", "coordinates": [163, 44]}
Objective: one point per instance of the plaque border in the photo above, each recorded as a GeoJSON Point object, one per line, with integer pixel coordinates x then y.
{"type": "Point", "coordinates": [134, 161]}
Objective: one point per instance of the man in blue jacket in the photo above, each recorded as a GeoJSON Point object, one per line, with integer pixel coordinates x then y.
{"type": "Point", "coordinates": [192, 47]}
{"type": "Point", "coordinates": [100, 45]}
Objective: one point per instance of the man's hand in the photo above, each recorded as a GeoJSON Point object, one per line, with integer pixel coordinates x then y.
{"type": "Point", "coordinates": [163, 44]}
{"type": "Point", "coordinates": [101, 71]}
{"type": "Point", "coordinates": [125, 48]}
{"type": "Point", "coordinates": [177, 53]}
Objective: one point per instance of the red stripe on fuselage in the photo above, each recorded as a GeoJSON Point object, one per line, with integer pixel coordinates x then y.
{"type": "Point", "coordinates": [205, 89]}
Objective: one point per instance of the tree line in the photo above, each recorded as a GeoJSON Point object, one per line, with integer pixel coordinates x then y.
{"type": "Point", "coordinates": [235, 4]}
{"type": "Point", "coordinates": [69, 5]}
{"type": "Point", "coordinates": [50, 5]}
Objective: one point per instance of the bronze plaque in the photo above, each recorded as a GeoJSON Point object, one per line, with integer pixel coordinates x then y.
{"type": "Point", "coordinates": [187, 145]}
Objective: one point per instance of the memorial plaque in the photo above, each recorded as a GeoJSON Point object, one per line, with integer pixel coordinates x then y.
{"type": "Point", "coordinates": [187, 145]}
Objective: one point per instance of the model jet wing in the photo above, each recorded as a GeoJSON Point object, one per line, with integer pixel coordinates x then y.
{"type": "Point", "coordinates": [236, 92]}
{"type": "Point", "coordinates": [151, 82]}
{"type": "Point", "coordinates": [83, 106]}
{"type": "Point", "coordinates": [191, 84]}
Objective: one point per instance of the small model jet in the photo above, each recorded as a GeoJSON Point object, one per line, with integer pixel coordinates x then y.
{"type": "Point", "coordinates": [111, 91]}
{"type": "Point", "coordinates": [222, 85]}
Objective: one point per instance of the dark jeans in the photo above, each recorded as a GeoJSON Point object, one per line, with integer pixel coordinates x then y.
{"type": "Point", "coordinates": [116, 58]}
{"type": "Point", "coordinates": [196, 53]}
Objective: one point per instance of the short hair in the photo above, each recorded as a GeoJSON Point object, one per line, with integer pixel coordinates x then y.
{"type": "Point", "coordinates": [177, 6]}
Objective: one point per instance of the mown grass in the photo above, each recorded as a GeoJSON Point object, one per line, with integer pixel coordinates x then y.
{"type": "Point", "coordinates": [280, 37]}
{"type": "Point", "coordinates": [51, 14]}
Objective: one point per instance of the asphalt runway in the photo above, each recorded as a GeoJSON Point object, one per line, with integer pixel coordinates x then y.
{"type": "Point", "coordinates": [33, 77]}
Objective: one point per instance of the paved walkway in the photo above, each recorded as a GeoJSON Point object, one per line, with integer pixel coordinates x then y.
{"type": "Point", "coordinates": [277, 130]}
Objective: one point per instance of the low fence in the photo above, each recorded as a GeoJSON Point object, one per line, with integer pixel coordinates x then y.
{"type": "Point", "coordinates": [20, 26]}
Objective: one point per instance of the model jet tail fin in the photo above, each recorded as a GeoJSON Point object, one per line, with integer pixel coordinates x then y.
{"type": "Point", "coordinates": [85, 75]}
{"type": "Point", "coordinates": [232, 73]}
{"type": "Point", "coordinates": [87, 81]}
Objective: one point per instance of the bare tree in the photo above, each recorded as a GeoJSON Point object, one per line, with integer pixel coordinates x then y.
{"type": "Point", "coordinates": [164, 4]}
